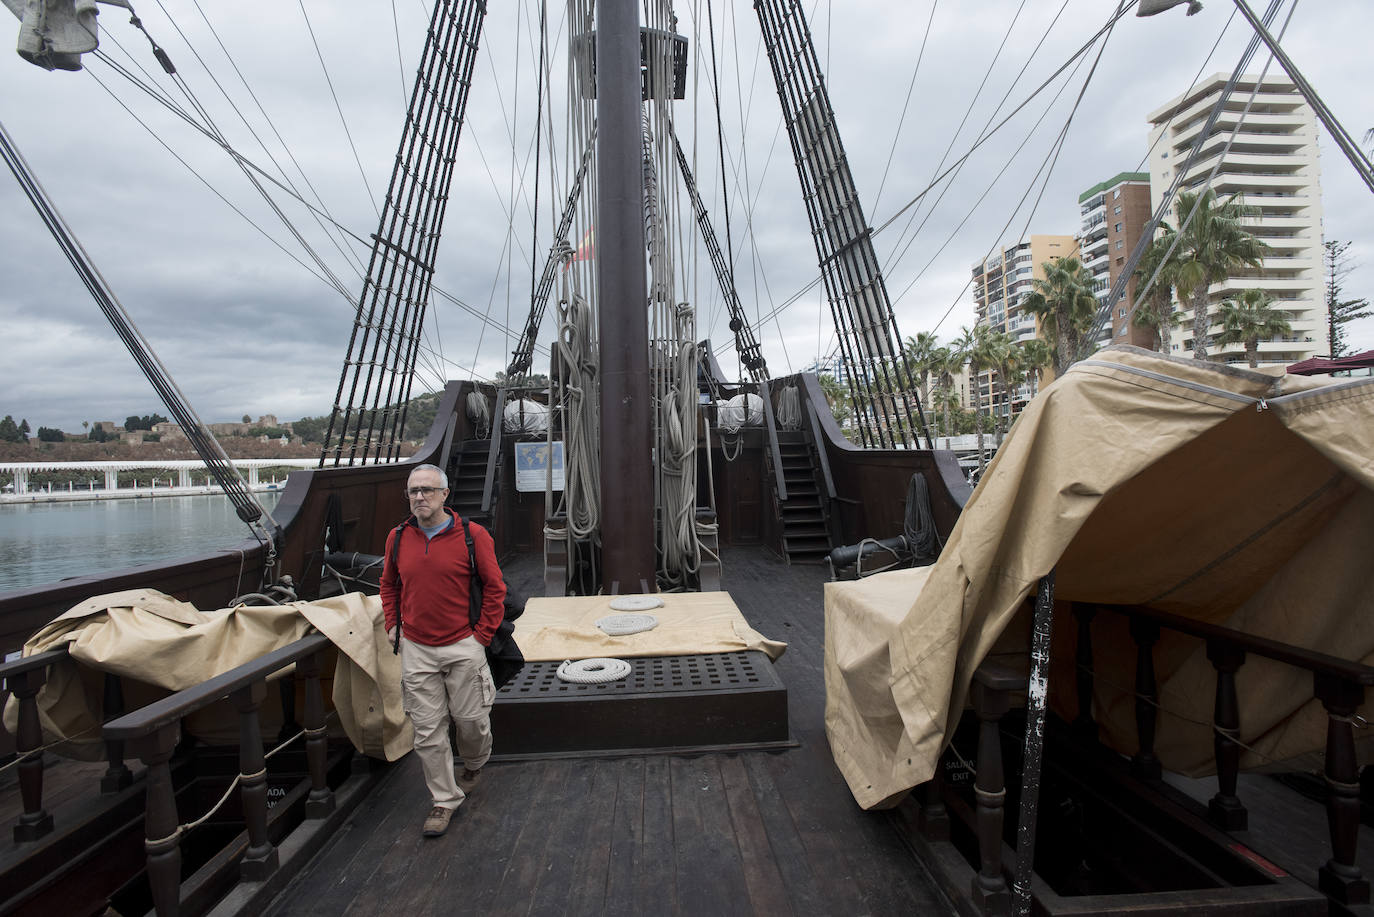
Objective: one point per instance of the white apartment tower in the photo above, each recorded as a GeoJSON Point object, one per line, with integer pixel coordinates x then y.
{"type": "Point", "coordinates": [1000, 283]}
{"type": "Point", "coordinates": [1273, 165]}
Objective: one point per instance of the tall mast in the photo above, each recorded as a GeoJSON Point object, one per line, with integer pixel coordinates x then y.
{"type": "Point", "coordinates": [627, 496]}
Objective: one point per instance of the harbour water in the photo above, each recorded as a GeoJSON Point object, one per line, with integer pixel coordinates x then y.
{"type": "Point", "coordinates": [41, 543]}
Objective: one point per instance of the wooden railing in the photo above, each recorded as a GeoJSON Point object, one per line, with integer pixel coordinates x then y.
{"type": "Point", "coordinates": [24, 678]}
{"type": "Point", "coordinates": [774, 450]}
{"type": "Point", "coordinates": [152, 733]}
{"type": "Point", "coordinates": [1338, 683]}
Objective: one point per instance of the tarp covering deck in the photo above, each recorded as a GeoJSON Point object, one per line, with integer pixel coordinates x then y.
{"type": "Point", "coordinates": [553, 629]}
{"type": "Point", "coordinates": [1232, 496]}
{"type": "Point", "coordinates": [160, 645]}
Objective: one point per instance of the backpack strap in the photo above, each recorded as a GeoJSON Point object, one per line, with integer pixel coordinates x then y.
{"type": "Point", "coordinates": [476, 588]}
{"type": "Point", "coordinates": [395, 555]}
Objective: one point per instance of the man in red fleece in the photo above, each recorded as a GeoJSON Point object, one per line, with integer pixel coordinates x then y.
{"type": "Point", "coordinates": [443, 659]}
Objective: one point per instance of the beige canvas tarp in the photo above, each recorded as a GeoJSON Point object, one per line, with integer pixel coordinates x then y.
{"type": "Point", "coordinates": [1232, 496]}
{"type": "Point", "coordinates": [554, 629]}
{"type": "Point", "coordinates": [160, 645]}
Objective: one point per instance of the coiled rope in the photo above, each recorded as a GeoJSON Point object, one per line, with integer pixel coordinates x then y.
{"type": "Point", "coordinates": [593, 671]}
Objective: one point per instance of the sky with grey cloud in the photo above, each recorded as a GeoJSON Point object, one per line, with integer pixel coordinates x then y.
{"type": "Point", "coordinates": [245, 323]}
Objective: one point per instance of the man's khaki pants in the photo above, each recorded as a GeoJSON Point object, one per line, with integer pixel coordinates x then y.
{"type": "Point", "coordinates": [439, 682]}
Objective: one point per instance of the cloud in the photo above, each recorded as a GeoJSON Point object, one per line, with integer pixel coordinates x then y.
{"type": "Point", "coordinates": [218, 285]}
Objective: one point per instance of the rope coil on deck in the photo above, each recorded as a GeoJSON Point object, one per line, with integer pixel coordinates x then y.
{"type": "Point", "coordinates": [593, 671]}
{"type": "Point", "coordinates": [623, 625]}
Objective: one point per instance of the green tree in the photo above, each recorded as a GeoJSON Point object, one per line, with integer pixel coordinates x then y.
{"type": "Point", "coordinates": [50, 435]}
{"type": "Point", "coordinates": [1211, 246]}
{"type": "Point", "coordinates": [944, 363]}
{"type": "Point", "coordinates": [919, 351]}
{"type": "Point", "coordinates": [97, 434]}
{"type": "Point", "coordinates": [246, 418]}
{"type": "Point", "coordinates": [1339, 311]}
{"type": "Point", "coordinates": [9, 430]}
{"type": "Point", "coordinates": [980, 347]}
{"type": "Point", "coordinates": [836, 397]}
{"type": "Point", "coordinates": [1064, 302]}
{"type": "Point", "coordinates": [146, 422]}
{"type": "Point", "coordinates": [1157, 312]}
{"type": "Point", "coordinates": [1248, 319]}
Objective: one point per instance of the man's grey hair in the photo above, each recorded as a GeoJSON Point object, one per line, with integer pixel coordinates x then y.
{"type": "Point", "coordinates": [443, 476]}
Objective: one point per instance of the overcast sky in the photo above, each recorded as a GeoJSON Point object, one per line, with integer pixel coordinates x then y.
{"type": "Point", "coordinates": [244, 327]}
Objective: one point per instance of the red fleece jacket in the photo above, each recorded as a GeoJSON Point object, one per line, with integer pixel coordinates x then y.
{"type": "Point", "coordinates": [430, 583]}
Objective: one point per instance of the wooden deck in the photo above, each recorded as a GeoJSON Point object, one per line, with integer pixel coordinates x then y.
{"type": "Point", "coordinates": [732, 833]}
{"type": "Point", "coordinates": [739, 833]}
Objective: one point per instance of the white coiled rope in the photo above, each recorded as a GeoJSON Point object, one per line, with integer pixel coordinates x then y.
{"type": "Point", "coordinates": [593, 671]}
{"type": "Point", "coordinates": [624, 625]}
{"type": "Point", "coordinates": [479, 414]}
{"type": "Point", "coordinates": [789, 408]}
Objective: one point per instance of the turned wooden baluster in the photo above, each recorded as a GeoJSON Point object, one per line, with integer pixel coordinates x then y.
{"type": "Point", "coordinates": [320, 802]}
{"type": "Point", "coordinates": [286, 689]}
{"type": "Point", "coordinates": [933, 819]}
{"type": "Point", "coordinates": [260, 859]}
{"type": "Point", "coordinates": [162, 834]}
{"type": "Point", "coordinates": [117, 774]}
{"type": "Point", "coordinates": [991, 696]}
{"type": "Point", "coordinates": [1084, 724]}
{"type": "Point", "coordinates": [35, 822]}
{"type": "Point", "coordinates": [1146, 633]}
{"type": "Point", "coordinates": [1340, 877]}
{"type": "Point", "coordinates": [1225, 808]}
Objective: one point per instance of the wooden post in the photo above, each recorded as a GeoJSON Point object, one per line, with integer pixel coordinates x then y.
{"type": "Point", "coordinates": [286, 690]}
{"type": "Point", "coordinates": [260, 859]}
{"type": "Point", "coordinates": [1146, 633]}
{"type": "Point", "coordinates": [1225, 809]}
{"type": "Point", "coordinates": [1341, 878]}
{"type": "Point", "coordinates": [320, 802]}
{"type": "Point", "coordinates": [35, 820]}
{"type": "Point", "coordinates": [161, 832]}
{"type": "Point", "coordinates": [991, 696]}
{"type": "Point", "coordinates": [1084, 724]}
{"type": "Point", "coordinates": [933, 820]}
{"type": "Point", "coordinates": [117, 774]}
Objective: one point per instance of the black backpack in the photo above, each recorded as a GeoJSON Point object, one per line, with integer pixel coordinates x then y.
{"type": "Point", "coordinates": [503, 655]}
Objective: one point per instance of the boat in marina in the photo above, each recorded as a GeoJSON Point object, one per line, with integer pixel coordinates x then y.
{"type": "Point", "coordinates": [847, 774]}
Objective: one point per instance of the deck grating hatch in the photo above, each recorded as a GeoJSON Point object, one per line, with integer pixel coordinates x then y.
{"type": "Point", "coordinates": [652, 675]}
{"type": "Point", "coordinates": [713, 700]}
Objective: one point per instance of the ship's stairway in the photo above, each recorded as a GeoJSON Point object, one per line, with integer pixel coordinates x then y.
{"type": "Point", "coordinates": [467, 480]}
{"type": "Point", "coordinates": [805, 517]}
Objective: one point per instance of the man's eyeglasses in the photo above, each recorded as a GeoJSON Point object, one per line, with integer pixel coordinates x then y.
{"type": "Point", "coordinates": [414, 492]}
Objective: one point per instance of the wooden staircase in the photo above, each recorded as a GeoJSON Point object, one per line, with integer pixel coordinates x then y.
{"type": "Point", "coordinates": [805, 518]}
{"type": "Point", "coordinates": [467, 478]}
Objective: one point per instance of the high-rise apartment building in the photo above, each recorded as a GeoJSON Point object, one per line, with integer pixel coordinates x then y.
{"type": "Point", "coordinates": [1000, 283]}
{"type": "Point", "coordinates": [1273, 166]}
{"type": "Point", "coordinates": [1115, 213]}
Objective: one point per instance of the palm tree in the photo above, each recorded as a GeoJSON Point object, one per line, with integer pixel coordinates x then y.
{"type": "Point", "coordinates": [944, 363]}
{"type": "Point", "coordinates": [1158, 313]}
{"type": "Point", "coordinates": [1065, 304]}
{"type": "Point", "coordinates": [1211, 246]}
{"type": "Point", "coordinates": [918, 351]}
{"type": "Point", "coordinates": [1035, 357]}
{"type": "Point", "coordinates": [836, 397]}
{"type": "Point", "coordinates": [1248, 319]}
{"type": "Point", "coordinates": [1006, 359]}
{"type": "Point", "coordinates": [980, 348]}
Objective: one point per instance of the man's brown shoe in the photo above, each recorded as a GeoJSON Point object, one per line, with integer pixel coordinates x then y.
{"type": "Point", "coordinates": [468, 779]}
{"type": "Point", "coordinates": [437, 822]}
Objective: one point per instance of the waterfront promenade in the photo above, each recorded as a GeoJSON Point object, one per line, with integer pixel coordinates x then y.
{"type": "Point", "coordinates": [178, 483]}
